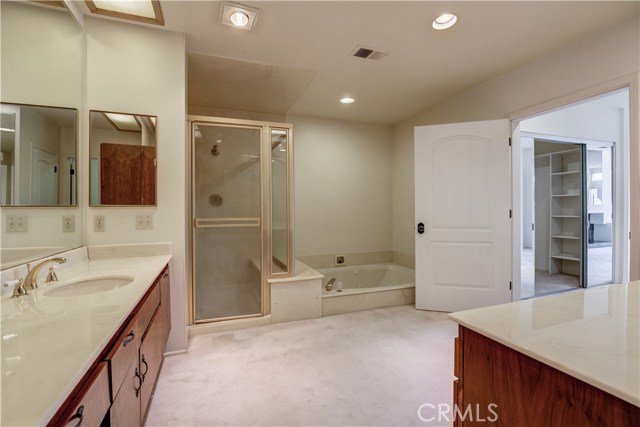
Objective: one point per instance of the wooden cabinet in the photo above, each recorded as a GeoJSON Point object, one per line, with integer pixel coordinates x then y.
{"type": "Point", "coordinates": [123, 377]}
{"type": "Point", "coordinates": [499, 386]}
{"type": "Point", "coordinates": [125, 409]}
{"type": "Point", "coordinates": [92, 403]}
{"type": "Point", "coordinates": [151, 359]}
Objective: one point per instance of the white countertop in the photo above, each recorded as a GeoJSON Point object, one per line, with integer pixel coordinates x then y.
{"type": "Point", "coordinates": [591, 334]}
{"type": "Point", "coordinates": [48, 343]}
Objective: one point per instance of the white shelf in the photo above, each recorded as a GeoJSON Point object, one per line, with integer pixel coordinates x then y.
{"type": "Point", "coordinates": [566, 257]}
{"type": "Point", "coordinates": [565, 174]}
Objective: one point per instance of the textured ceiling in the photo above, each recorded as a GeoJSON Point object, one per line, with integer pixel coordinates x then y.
{"type": "Point", "coordinates": [297, 59]}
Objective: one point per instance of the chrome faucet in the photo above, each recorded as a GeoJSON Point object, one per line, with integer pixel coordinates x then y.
{"type": "Point", "coordinates": [31, 281]}
{"type": "Point", "coordinates": [329, 285]}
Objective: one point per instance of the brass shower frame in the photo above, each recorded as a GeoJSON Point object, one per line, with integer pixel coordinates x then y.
{"type": "Point", "coordinates": [264, 222]}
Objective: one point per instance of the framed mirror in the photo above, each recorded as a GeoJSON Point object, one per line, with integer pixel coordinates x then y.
{"type": "Point", "coordinates": [122, 159]}
{"type": "Point", "coordinates": [38, 151]}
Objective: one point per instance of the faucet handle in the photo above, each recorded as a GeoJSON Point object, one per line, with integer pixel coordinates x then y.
{"type": "Point", "coordinates": [51, 276]}
{"type": "Point", "coordinates": [19, 290]}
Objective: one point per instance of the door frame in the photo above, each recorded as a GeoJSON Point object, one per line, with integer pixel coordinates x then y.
{"type": "Point", "coordinates": [629, 218]}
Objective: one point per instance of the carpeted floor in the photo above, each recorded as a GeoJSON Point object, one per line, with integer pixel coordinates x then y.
{"type": "Point", "coordinates": [370, 368]}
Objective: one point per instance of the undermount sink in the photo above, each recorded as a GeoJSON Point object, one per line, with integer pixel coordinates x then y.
{"type": "Point", "coordinates": [89, 286]}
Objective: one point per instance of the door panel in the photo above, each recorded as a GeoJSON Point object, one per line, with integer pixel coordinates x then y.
{"type": "Point", "coordinates": [462, 185]}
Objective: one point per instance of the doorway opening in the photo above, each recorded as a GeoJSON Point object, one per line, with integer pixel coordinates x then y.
{"type": "Point", "coordinates": [574, 185]}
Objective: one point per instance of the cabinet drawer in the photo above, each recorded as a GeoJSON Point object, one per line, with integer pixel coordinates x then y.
{"type": "Point", "coordinates": [122, 355]}
{"type": "Point", "coordinates": [94, 401]}
{"type": "Point", "coordinates": [148, 309]}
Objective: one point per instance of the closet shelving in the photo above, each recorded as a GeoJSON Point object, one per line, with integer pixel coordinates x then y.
{"type": "Point", "coordinates": [565, 243]}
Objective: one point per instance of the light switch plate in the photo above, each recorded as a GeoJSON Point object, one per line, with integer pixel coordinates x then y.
{"type": "Point", "coordinates": [17, 223]}
{"type": "Point", "coordinates": [98, 223]}
{"type": "Point", "coordinates": [144, 222]}
{"type": "Point", "coordinates": [68, 223]}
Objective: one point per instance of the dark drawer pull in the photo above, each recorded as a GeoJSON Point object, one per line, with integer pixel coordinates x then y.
{"type": "Point", "coordinates": [140, 386]}
{"type": "Point", "coordinates": [78, 416]}
{"type": "Point", "coordinates": [146, 368]}
{"type": "Point", "coordinates": [130, 337]}
{"type": "Point", "coordinates": [165, 275]}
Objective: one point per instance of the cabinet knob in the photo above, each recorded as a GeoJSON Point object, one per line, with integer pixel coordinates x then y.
{"type": "Point", "coordinates": [78, 416]}
{"type": "Point", "coordinates": [130, 337]}
{"type": "Point", "coordinates": [140, 379]}
{"type": "Point", "coordinates": [146, 368]}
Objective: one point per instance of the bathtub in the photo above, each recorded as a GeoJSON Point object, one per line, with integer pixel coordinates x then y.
{"type": "Point", "coordinates": [364, 287]}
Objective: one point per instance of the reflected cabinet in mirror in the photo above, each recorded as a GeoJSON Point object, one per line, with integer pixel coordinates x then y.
{"type": "Point", "coordinates": [38, 149]}
{"type": "Point", "coordinates": [281, 209]}
{"type": "Point", "coordinates": [122, 158]}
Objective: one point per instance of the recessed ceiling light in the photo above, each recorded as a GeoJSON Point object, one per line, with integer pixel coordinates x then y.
{"type": "Point", "coordinates": [347, 100]}
{"type": "Point", "coordinates": [238, 16]}
{"type": "Point", "coordinates": [7, 130]}
{"type": "Point", "coordinates": [444, 21]}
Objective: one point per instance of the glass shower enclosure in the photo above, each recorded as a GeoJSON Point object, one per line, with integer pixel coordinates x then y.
{"type": "Point", "coordinates": [241, 215]}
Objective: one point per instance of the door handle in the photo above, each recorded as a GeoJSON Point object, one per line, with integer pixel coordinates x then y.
{"type": "Point", "coordinates": [420, 228]}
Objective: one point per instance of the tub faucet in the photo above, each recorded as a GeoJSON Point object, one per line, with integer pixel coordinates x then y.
{"type": "Point", "coordinates": [31, 280]}
{"type": "Point", "coordinates": [329, 285]}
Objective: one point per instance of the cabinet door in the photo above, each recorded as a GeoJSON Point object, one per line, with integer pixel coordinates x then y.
{"type": "Point", "coordinates": [123, 354]}
{"type": "Point", "coordinates": [151, 359]}
{"type": "Point", "coordinates": [94, 401]}
{"type": "Point", "coordinates": [125, 409]}
{"type": "Point", "coordinates": [165, 307]}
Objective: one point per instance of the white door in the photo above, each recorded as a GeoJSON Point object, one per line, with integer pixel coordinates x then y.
{"type": "Point", "coordinates": [44, 178]}
{"type": "Point", "coordinates": [463, 201]}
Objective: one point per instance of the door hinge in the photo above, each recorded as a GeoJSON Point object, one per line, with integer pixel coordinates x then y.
{"type": "Point", "coordinates": [533, 227]}
{"type": "Point", "coordinates": [510, 286]}
{"type": "Point", "coordinates": [510, 213]}
{"type": "Point", "coordinates": [509, 141]}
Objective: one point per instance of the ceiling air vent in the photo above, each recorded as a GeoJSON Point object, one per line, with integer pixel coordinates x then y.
{"type": "Point", "coordinates": [366, 53]}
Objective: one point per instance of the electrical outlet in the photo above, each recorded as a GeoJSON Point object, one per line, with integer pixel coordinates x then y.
{"type": "Point", "coordinates": [144, 222]}
{"type": "Point", "coordinates": [17, 223]}
{"type": "Point", "coordinates": [98, 223]}
{"type": "Point", "coordinates": [68, 223]}
{"type": "Point", "coordinates": [340, 260]}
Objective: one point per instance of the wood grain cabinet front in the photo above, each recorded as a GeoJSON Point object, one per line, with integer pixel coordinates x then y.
{"type": "Point", "coordinates": [499, 386]}
{"type": "Point", "coordinates": [117, 389]}
{"type": "Point", "coordinates": [93, 402]}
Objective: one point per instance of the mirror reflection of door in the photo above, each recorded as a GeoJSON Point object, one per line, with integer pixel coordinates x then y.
{"type": "Point", "coordinates": [127, 174]}
{"type": "Point", "coordinates": [122, 159]}
{"type": "Point", "coordinates": [44, 177]}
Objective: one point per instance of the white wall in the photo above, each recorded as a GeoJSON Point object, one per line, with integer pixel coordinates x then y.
{"type": "Point", "coordinates": [342, 186]}
{"type": "Point", "coordinates": [41, 64]}
{"type": "Point", "coordinates": [589, 62]}
{"type": "Point", "coordinates": [141, 70]}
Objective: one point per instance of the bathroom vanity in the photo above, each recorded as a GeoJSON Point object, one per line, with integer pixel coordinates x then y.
{"type": "Point", "coordinates": [568, 359]}
{"type": "Point", "coordinates": [71, 356]}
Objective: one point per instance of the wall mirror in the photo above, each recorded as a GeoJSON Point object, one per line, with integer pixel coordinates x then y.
{"type": "Point", "coordinates": [38, 150]}
{"type": "Point", "coordinates": [122, 158]}
{"type": "Point", "coordinates": [40, 185]}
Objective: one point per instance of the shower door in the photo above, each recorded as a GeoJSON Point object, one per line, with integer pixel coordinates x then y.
{"type": "Point", "coordinates": [228, 230]}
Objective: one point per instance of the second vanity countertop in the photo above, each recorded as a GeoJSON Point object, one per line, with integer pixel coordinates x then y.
{"type": "Point", "coordinates": [49, 343]}
{"type": "Point", "coordinates": [591, 334]}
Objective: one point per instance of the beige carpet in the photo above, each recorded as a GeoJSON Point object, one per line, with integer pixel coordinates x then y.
{"type": "Point", "coordinates": [370, 368]}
